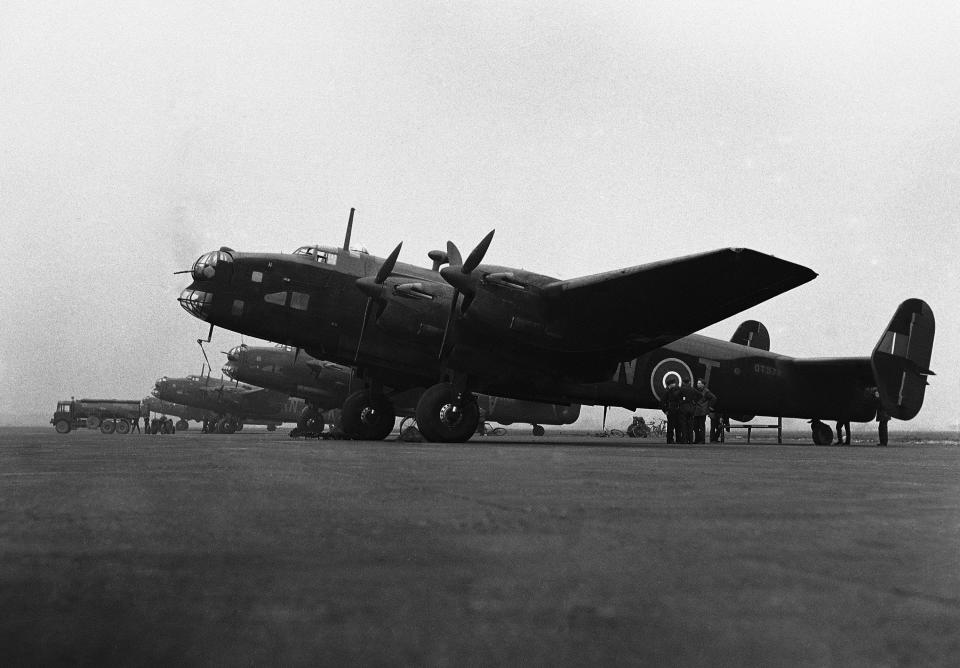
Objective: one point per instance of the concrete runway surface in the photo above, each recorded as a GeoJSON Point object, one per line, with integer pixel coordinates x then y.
{"type": "Point", "coordinates": [253, 549]}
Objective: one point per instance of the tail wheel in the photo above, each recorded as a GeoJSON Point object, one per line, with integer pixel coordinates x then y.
{"type": "Point", "coordinates": [822, 433]}
{"type": "Point", "coordinates": [538, 430]}
{"type": "Point", "coordinates": [368, 416]}
{"type": "Point", "coordinates": [123, 427]}
{"type": "Point", "coordinates": [444, 417]}
{"type": "Point", "coordinates": [62, 426]}
{"type": "Point", "coordinates": [108, 426]}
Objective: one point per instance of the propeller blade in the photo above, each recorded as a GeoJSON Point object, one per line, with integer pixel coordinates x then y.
{"type": "Point", "coordinates": [387, 267]}
{"type": "Point", "coordinates": [476, 255]}
{"type": "Point", "coordinates": [453, 255]}
{"type": "Point", "coordinates": [363, 327]}
{"type": "Point", "coordinates": [374, 293]}
{"type": "Point", "coordinates": [446, 330]}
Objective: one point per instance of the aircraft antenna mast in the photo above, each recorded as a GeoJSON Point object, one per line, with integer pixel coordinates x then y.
{"type": "Point", "coordinates": [346, 239]}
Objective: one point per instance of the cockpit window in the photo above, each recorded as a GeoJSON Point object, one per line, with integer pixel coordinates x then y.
{"type": "Point", "coordinates": [322, 254]}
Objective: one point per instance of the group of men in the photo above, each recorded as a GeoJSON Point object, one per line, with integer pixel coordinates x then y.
{"type": "Point", "coordinates": [687, 408]}
{"type": "Point", "coordinates": [161, 425]}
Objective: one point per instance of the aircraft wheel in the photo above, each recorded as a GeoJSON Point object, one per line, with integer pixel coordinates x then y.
{"type": "Point", "coordinates": [93, 422]}
{"type": "Point", "coordinates": [183, 425]}
{"type": "Point", "coordinates": [368, 416]}
{"type": "Point", "coordinates": [62, 426]}
{"type": "Point", "coordinates": [108, 426]}
{"type": "Point", "coordinates": [226, 426]}
{"type": "Point", "coordinates": [311, 420]}
{"type": "Point", "coordinates": [538, 430]}
{"type": "Point", "coordinates": [822, 433]}
{"type": "Point", "coordinates": [123, 427]}
{"type": "Point", "coordinates": [442, 418]}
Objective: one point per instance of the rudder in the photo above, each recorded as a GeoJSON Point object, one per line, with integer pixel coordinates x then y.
{"type": "Point", "coordinates": [901, 359]}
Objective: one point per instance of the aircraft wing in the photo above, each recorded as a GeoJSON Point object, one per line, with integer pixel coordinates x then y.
{"type": "Point", "coordinates": [656, 303]}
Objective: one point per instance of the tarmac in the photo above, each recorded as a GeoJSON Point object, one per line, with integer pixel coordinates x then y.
{"type": "Point", "coordinates": [255, 549]}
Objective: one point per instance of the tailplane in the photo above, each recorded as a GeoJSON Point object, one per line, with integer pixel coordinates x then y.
{"type": "Point", "coordinates": [901, 359]}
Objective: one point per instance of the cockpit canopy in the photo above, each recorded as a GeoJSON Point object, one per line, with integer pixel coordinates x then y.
{"type": "Point", "coordinates": [326, 254]}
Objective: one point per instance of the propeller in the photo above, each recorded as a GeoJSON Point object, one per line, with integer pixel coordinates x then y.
{"type": "Point", "coordinates": [373, 288]}
{"type": "Point", "coordinates": [459, 274]}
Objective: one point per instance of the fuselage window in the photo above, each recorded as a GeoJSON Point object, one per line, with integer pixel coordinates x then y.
{"type": "Point", "coordinates": [279, 298]}
{"type": "Point", "coordinates": [257, 277]}
{"type": "Point", "coordinates": [299, 300]}
{"type": "Point", "coordinates": [237, 309]}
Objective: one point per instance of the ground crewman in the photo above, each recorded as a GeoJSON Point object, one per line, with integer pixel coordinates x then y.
{"type": "Point", "coordinates": [670, 404]}
{"type": "Point", "coordinates": [702, 406]}
{"type": "Point", "coordinates": [688, 399]}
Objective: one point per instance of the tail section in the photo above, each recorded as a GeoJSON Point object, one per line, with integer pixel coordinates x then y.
{"type": "Point", "coordinates": [753, 334]}
{"type": "Point", "coordinates": [901, 359]}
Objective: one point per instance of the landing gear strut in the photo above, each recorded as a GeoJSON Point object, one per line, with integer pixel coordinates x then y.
{"type": "Point", "coordinates": [446, 416]}
{"type": "Point", "coordinates": [368, 416]}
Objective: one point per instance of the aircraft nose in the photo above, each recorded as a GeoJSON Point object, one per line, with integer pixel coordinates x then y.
{"type": "Point", "coordinates": [196, 302]}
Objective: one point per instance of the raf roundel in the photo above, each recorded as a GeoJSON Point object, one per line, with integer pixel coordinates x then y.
{"type": "Point", "coordinates": [666, 369]}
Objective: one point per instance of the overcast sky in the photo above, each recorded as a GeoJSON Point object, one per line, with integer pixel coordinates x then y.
{"type": "Point", "coordinates": [594, 135]}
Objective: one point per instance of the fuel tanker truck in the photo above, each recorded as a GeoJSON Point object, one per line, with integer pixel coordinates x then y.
{"type": "Point", "coordinates": [107, 415]}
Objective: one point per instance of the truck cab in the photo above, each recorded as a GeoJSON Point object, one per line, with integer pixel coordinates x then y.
{"type": "Point", "coordinates": [62, 419]}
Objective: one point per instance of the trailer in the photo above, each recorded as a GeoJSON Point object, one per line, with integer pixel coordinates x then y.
{"type": "Point", "coordinates": [107, 415]}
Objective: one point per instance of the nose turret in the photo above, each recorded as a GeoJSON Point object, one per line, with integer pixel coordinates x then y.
{"type": "Point", "coordinates": [210, 269]}
{"type": "Point", "coordinates": [212, 264]}
{"type": "Point", "coordinates": [236, 357]}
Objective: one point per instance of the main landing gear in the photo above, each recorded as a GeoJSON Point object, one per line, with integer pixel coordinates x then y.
{"type": "Point", "coordinates": [368, 416]}
{"type": "Point", "coordinates": [447, 416]}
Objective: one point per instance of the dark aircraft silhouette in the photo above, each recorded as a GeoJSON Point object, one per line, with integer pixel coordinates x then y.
{"type": "Point", "coordinates": [230, 404]}
{"type": "Point", "coordinates": [325, 385]}
{"type": "Point", "coordinates": [187, 413]}
{"type": "Point", "coordinates": [469, 327]}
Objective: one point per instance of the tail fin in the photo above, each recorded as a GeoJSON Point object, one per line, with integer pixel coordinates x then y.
{"type": "Point", "coordinates": [753, 334]}
{"type": "Point", "coordinates": [901, 359]}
